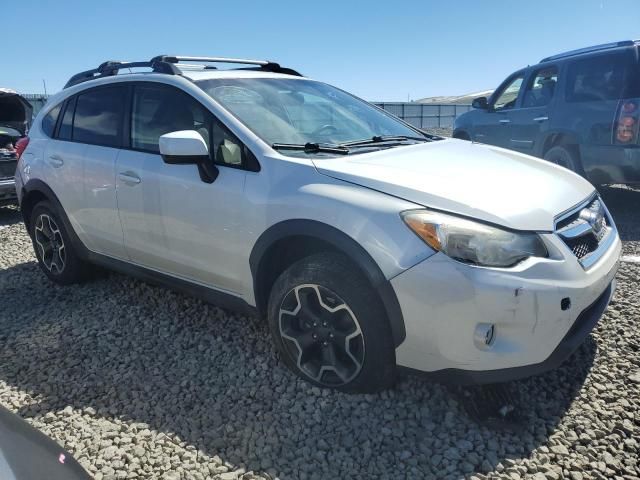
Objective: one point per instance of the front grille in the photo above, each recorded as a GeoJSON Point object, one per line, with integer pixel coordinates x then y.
{"type": "Point", "coordinates": [582, 246]}
{"type": "Point", "coordinates": [584, 229]}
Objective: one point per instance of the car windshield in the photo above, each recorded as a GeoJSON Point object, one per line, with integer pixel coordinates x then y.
{"type": "Point", "coordinates": [302, 112]}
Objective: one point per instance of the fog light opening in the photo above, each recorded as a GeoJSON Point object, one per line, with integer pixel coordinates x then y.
{"type": "Point", "coordinates": [485, 335]}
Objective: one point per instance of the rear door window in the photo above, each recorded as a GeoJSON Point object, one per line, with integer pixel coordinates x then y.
{"type": "Point", "coordinates": [541, 88]}
{"type": "Point", "coordinates": [603, 77]}
{"type": "Point", "coordinates": [99, 116]}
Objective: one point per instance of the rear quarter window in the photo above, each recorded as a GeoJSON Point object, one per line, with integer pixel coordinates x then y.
{"type": "Point", "coordinates": [50, 119]}
{"type": "Point", "coordinates": [602, 77]}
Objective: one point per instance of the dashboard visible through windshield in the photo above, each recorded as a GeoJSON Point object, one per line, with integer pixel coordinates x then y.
{"type": "Point", "coordinates": [293, 114]}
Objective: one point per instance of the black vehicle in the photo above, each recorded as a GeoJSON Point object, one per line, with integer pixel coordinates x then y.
{"type": "Point", "coordinates": [28, 454]}
{"type": "Point", "coordinates": [15, 118]}
{"type": "Point", "coordinates": [579, 109]}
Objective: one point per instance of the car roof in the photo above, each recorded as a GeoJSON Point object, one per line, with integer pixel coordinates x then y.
{"type": "Point", "coordinates": [613, 46]}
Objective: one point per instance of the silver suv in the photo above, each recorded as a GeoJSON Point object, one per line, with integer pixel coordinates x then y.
{"type": "Point", "coordinates": [365, 243]}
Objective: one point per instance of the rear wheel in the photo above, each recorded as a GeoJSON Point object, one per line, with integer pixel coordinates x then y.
{"type": "Point", "coordinates": [329, 326]}
{"type": "Point", "coordinates": [566, 156]}
{"type": "Point", "coordinates": [53, 248]}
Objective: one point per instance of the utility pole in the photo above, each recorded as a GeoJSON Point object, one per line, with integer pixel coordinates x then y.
{"type": "Point", "coordinates": [44, 84]}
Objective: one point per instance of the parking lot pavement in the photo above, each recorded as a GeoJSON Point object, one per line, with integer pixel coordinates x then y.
{"type": "Point", "coordinates": [140, 382]}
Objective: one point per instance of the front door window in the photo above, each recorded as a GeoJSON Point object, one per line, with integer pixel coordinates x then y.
{"type": "Point", "coordinates": [508, 95]}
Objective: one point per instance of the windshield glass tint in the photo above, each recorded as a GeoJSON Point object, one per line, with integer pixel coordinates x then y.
{"type": "Point", "coordinates": [300, 111]}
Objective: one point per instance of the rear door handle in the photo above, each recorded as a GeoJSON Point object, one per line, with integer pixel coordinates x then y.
{"type": "Point", "coordinates": [129, 178]}
{"type": "Point", "coordinates": [541, 119]}
{"type": "Point", "coordinates": [56, 161]}
{"type": "Point", "coordinates": [505, 120]}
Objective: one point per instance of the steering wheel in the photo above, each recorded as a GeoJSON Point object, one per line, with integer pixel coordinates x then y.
{"type": "Point", "coordinates": [327, 129]}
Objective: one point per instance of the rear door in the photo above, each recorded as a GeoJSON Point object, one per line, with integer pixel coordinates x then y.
{"type": "Point", "coordinates": [530, 122]}
{"type": "Point", "coordinates": [493, 125]}
{"type": "Point", "coordinates": [99, 124]}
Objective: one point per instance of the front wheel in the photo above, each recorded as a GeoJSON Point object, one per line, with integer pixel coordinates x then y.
{"type": "Point", "coordinates": [329, 325]}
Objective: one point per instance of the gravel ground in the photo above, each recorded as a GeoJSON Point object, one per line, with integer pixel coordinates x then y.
{"type": "Point", "coordinates": [140, 382]}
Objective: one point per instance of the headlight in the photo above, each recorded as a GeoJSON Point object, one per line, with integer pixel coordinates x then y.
{"type": "Point", "coordinates": [473, 242]}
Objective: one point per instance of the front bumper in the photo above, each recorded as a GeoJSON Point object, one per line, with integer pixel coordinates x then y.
{"type": "Point", "coordinates": [8, 192]}
{"type": "Point", "coordinates": [443, 301]}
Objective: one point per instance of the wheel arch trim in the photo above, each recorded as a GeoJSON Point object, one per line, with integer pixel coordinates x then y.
{"type": "Point", "coordinates": [341, 242]}
{"type": "Point", "coordinates": [37, 185]}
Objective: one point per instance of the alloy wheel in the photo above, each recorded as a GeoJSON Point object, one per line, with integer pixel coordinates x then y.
{"type": "Point", "coordinates": [321, 333]}
{"type": "Point", "coordinates": [50, 243]}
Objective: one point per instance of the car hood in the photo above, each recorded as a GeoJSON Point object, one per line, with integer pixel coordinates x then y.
{"type": "Point", "coordinates": [479, 181]}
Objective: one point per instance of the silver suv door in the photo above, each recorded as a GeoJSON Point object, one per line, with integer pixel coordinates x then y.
{"type": "Point", "coordinates": [174, 222]}
{"type": "Point", "coordinates": [81, 163]}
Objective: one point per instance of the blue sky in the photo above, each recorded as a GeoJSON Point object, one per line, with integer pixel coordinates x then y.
{"type": "Point", "coordinates": [377, 50]}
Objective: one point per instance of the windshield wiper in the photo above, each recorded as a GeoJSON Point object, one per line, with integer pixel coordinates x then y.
{"type": "Point", "coordinates": [311, 147]}
{"type": "Point", "coordinates": [382, 139]}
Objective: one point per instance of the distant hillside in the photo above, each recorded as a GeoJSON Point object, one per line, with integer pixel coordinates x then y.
{"type": "Point", "coordinates": [459, 99]}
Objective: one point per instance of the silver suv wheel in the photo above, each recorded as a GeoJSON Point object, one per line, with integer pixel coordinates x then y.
{"type": "Point", "coordinates": [320, 330]}
{"type": "Point", "coordinates": [50, 243]}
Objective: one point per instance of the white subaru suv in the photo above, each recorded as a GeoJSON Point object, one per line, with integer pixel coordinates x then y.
{"type": "Point", "coordinates": [368, 246]}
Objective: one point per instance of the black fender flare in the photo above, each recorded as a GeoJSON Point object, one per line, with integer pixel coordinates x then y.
{"type": "Point", "coordinates": [37, 185]}
{"type": "Point", "coordinates": [340, 241]}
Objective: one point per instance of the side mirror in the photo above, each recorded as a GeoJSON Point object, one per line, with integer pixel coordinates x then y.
{"type": "Point", "coordinates": [480, 103]}
{"type": "Point", "coordinates": [187, 147]}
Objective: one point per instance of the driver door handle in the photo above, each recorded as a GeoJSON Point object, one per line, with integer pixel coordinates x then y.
{"type": "Point", "coordinates": [505, 120]}
{"type": "Point", "coordinates": [540, 119]}
{"type": "Point", "coordinates": [129, 178]}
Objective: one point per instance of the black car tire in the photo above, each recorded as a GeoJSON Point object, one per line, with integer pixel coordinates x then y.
{"type": "Point", "coordinates": [53, 248]}
{"type": "Point", "coordinates": [321, 302]}
{"type": "Point", "coordinates": [566, 156]}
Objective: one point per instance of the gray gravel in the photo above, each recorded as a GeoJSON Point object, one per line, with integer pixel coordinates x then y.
{"type": "Point", "coordinates": [140, 382]}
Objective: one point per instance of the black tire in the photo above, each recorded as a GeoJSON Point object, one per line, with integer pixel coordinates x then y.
{"type": "Point", "coordinates": [566, 156]}
{"type": "Point", "coordinates": [53, 247]}
{"type": "Point", "coordinates": [316, 284]}
{"type": "Point", "coordinates": [462, 135]}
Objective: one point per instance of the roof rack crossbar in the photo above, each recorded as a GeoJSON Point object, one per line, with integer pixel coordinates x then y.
{"type": "Point", "coordinates": [167, 64]}
{"type": "Point", "coordinates": [594, 48]}
{"type": "Point", "coordinates": [111, 67]}
{"type": "Point", "coordinates": [262, 64]}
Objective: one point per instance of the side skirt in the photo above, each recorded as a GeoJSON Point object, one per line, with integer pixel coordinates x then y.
{"type": "Point", "coordinates": [210, 295]}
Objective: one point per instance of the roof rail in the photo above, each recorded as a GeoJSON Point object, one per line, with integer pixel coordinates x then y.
{"type": "Point", "coordinates": [112, 67]}
{"type": "Point", "coordinates": [594, 48]}
{"type": "Point", "coordinates": [167, 64]}
{"type": "Point", "coordinates": [260, 64]}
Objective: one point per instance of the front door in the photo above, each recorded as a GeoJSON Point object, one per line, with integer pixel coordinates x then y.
{"type": "Point", "coordinates": [530, 122]}
{"type": "Point", "coordinates": [173, 222]}
{"type": "Point", "coordinates": [493, 125]}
